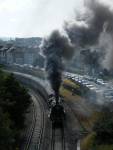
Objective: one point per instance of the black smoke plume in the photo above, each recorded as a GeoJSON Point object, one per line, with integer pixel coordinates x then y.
{"type": "Point", "coordinates": [56, 47]}
{"type": "Point", "coordinates": [92, 28]}
{"type": "Point", "coordinates": [87, 30]}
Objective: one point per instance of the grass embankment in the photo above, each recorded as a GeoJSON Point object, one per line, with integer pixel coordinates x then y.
{"type": "Point", "coordinates": [67, 93]}
{"type": "Point", "coordinates": [88, 122]}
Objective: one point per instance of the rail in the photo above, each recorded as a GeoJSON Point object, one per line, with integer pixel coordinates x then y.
{"type": "Point", "coordinates": [57, 139]}
{"type": "Point", "coordinates": [36, 131]}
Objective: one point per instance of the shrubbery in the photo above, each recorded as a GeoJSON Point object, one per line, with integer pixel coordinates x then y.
{"type": "Point", "coordinates": [104, 127]}
{"type": "Point", "coordinates": [101, 137]}
{"type": "Point", "coordinates": [14, 102]}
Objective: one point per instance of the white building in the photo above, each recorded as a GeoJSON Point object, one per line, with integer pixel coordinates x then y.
{"type": "Point", "coordinates": [10, 59]}
{"type": "Point", "coordinates": [3, 56]}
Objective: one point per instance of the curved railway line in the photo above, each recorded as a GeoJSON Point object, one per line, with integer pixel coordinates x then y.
{"type": "Point", "coordinates": [35, 134]}
{"type": "Point", "coordinates": [36, 131]}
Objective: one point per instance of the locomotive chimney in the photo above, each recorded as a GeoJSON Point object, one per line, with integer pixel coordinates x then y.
{"type": "Point", "coordinates": [57, 97]}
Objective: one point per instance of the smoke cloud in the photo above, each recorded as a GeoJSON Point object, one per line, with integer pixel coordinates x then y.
{"type": "Point", "coordinates": [92, 28]}
{"type": "Point", "coordinates": [56, 47]}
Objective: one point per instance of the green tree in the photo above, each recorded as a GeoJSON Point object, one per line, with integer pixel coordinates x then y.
{"type": "Point", "coordinates": [6, 133]}
{"type": "Point", "coordinates": [14, 103]}
{"type": "Point", "coordinates": [104, 127]}
{"type": "Point", "coordinates": [17, 100]}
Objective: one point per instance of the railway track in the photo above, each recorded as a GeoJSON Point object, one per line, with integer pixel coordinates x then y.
{"type": "Point", "coordinates": [57, 139]}
{"type": "Point", "coordinates": [36, 131]}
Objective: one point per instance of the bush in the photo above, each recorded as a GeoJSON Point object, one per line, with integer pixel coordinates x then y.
{"type": "Point", "coordinates": [14, 102]}
{"type": "Point", "coordinates": [88, 142]}
{"type": "Point", "coordinates": [104, 127]}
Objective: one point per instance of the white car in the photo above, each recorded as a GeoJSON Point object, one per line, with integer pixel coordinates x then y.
{"type": "Point", "coordinates": [85, 83]}
{"type": "Point", "coordinates": [89, 85]}
{"type": "Point", "coordinates": [101, 81]}
{"type": "Point", "coordinates": [93, 88]}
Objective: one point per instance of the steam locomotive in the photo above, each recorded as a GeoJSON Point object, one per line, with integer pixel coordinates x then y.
{"type": "Point", "coordinates": [57, 114]}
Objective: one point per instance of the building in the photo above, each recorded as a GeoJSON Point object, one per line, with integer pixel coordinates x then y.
{"type": "Point", "coordinates": [30, 55]}
{"type": "Point", "coordinates": [22, 55]}
{"type": "Point", "coordinates": [3, 55]}
{"type": "Point", "coordinates": [10, 56]}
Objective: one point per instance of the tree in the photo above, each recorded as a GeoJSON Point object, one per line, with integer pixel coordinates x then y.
{"type": "Point", "coordinates": [6, 133]}
{"type": "Point", "coordinates": [14, 102]}
{"type": "Point", "coordinates": [17, 100]}
{"type": "Point", "coordinates": [104, 127]}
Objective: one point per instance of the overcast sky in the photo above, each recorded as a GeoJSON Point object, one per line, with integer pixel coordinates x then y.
{"type": "Point", "coordinates": [26, 18]}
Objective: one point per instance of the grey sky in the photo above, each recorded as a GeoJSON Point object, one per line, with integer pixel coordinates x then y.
{"type": "Point", "coordinates": [34, 17]}
{"type": "Point", "coordinates": [25, 18]}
